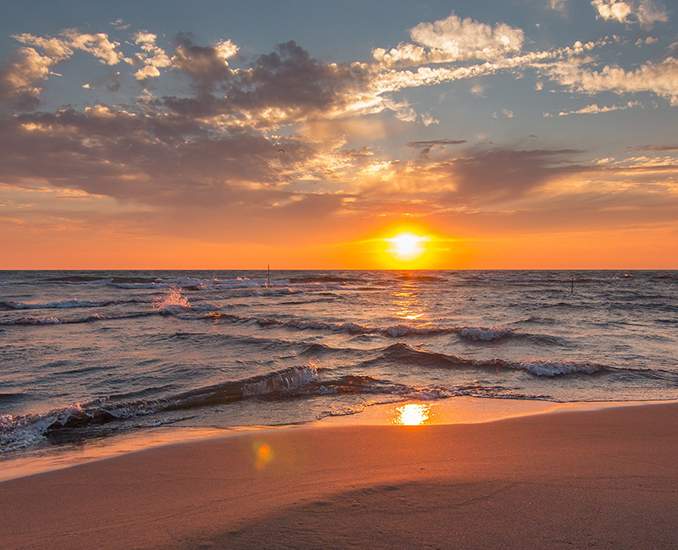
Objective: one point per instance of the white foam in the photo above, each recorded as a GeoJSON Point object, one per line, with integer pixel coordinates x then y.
{"type": "Point", "coordinates": [171, 302]}
{"type": "Point", "coordinates": [557, 368]}
{"type": "Point", "coordinates": [283, 381]}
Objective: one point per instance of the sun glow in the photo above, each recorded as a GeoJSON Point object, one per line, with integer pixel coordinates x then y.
{"type": "Point", "coordinates": [406, 247]}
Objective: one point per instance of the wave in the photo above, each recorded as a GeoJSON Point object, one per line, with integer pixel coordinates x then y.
{"type": "Point", "coordinates": [87, 420]}
{"type": "Point", "coordinates": [103, 279]}
{"type": "Point", "coordinates": [67, 304]}
{"type": "Point", "coordinates": [17, 432]}
{"type": "Point", "coordinates": [83, 420]}
{"type": "Point", "coordinates": [402, 353]}
{"type": "Point", "coordinates": [51, 320]}
{"type": "Point", "coordinates": [327, 278]}
{"type": "Point", "coordinates": [393, 331]}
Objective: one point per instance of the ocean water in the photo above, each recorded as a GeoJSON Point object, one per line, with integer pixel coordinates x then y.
{"type": "Point", "coordinates": [87, 355]}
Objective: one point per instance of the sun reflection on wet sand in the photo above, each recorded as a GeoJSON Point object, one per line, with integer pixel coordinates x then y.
{"type": "Point", "coordinates": [412, 414]}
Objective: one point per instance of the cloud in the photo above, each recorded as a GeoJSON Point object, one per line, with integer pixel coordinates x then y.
{"type": "Point", "coordinates": [668, 148]}
{"type": "Point", "coordinates": [497, 175]}
{"type": "Point", "coordinates": [392, 80]}
{"type": "Point", "coordinates": [152, 57]}
{"type": "Point", "coordinates": [645, 12]}
{"type": "Point", "coordinates": [558, 5]}
{"type": "Point", "coordinates": [612, 9]}
{"type": "Point", "coordinates": [205, 157]}
{"type": "Point", "coordinates": [659, 78]}
{"type": "Point", "coordinates": [169, 162]}
{"type": "Point", "coordinates": [650, 12]}
{"type": "Point", "coordinates": [120, 24]}
{"type": "Point", "coordinates": [206, 65]}
{"type": "Point", "coordinates": [283, 87]}
{"type": "Point", "coordinates": [435, 142]}
{"type": "Point", "coordinates": [453, 39]}
{"type": "Point", "coordinates": [595, 109]}
{"type": "Point", "coordinates": [21, 80]}
{"type": "Point", "coordinates": [97, 44]}
{"type": "Point", "coordinates": [427, 146]}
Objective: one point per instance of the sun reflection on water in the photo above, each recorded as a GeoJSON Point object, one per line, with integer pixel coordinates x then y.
{"type": "Point", "coordinates": [406, 299]}
{"type": "Point", "coordinates": [412, 414]}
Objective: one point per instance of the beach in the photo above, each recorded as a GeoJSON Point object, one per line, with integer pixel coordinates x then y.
{"type": "Point", "coordinates": [605, 478]}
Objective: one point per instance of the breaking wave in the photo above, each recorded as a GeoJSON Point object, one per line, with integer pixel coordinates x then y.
{"type": "Point", "coordinates": [17, 432]}
{"type": "Point", "coordinates": [402, 353]}
{"type": "Point", "coordinates": [21, 431]}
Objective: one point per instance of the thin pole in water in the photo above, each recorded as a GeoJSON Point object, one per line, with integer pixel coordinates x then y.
{"type": "Point", "coordinates": [268, 279]}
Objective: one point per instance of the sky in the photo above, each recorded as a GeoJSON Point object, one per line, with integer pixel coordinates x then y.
{"type": "Point", "coordinates": [304, 134]}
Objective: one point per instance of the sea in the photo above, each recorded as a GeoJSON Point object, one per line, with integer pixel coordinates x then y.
{"type": "Point", "coordinates": [90, 355]}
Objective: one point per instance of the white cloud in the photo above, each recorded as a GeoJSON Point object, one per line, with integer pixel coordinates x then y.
{"type": "Point", "coordinates": [595, 109]}
{"type": "Point", "coordinates": [645, 12]}
{"type": "Point", "coordinates": [427, 119]}
{"type": "Point", "coordinates": [97, 44]}
{"type": "Point", "coordinates": [55, 48]}
{"type": "Point", "coordinates": [226, 49]}
{"type": "Point", "coordinates": [148, 71]}
{"type": "Point", "coordinates": [120, 24]}
{"type": "Point", "coordinates": [394, 80]}
{"type": "Point", "coordinates": [28, 67]}
{"type": "Point", "coordinates": [68, 41]}
{"type": "Point", "coordinates": [558, 5]}
{"type": "Point", "coordinates": [612, 9]}
{"type": "Point", "coordinates": [650, 12]}
{"type": "Point", "coordinates": [659, 78]}
{"type": "Point", "coordinates": [151, 56]}
{"type": "Point", "coordinates": [20, 78]}
{"type": "Point", "coordinates": [453, 39]}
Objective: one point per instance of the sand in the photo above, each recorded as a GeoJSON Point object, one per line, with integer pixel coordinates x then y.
{"type": "Point", "coordinates": [596, 479]}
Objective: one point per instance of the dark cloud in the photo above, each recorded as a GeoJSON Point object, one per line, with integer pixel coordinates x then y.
{"type": "Point", "coordinates": [169, 161]}
{"type": "Point", "coordinates": [500, 174]}
{"type": "Point", "coordinates": [664, 148]}
{"type": "Point", "coordinates": [175, 160]}
{"type": "Point", "coordinates": [433, 143]}
{"type": "Point", "coordinates": [204, 64]}
{"type": "Point", "coordinates": [285, 86]}
{"type": "Point", "coordinates": [427, 146]}
{"type": "Point", "coordinates": [115, 82]}
{"type": "Point", "coordinates": [289, 77]}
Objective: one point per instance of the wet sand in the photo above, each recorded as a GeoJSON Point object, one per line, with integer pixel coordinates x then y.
{"type": "Point", "coordinates": [606, 478]}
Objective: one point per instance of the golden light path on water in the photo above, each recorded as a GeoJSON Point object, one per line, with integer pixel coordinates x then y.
{"type": "Point", "coordinates": [406, 299]}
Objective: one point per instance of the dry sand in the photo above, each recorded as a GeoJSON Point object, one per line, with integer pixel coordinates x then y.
{"type": "Point", "coordinates": [601, 479]}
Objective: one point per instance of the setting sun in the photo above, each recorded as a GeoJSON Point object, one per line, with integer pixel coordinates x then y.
{"type": "Point", "coordinates": [407, 246]}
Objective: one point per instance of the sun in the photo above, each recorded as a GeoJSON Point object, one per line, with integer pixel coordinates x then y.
{"type": "Point", "coordinates": [406, 247]}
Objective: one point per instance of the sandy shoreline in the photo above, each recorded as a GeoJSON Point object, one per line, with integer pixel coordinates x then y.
{"type": "Point", "coordinates": [606, 478]}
